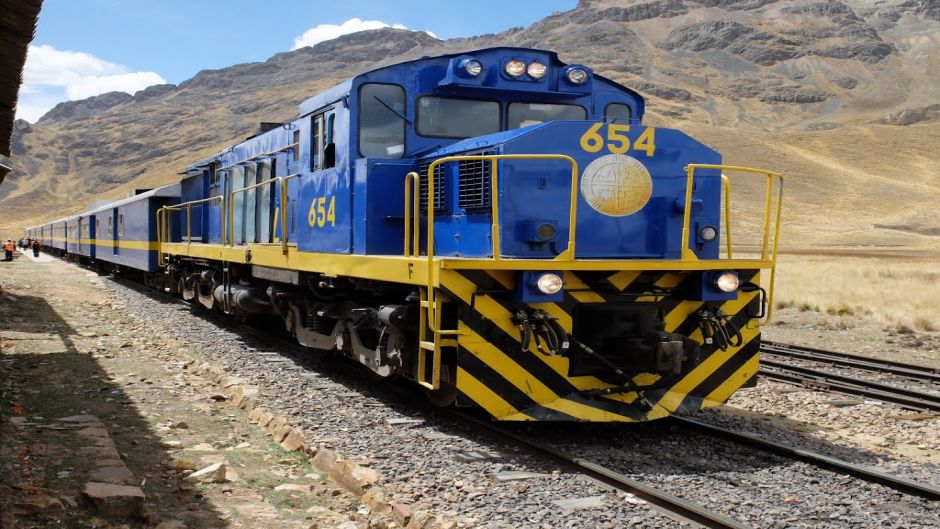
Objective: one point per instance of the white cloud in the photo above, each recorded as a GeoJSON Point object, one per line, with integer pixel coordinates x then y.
{"type": "Point", "coordinates": [125, 82]}
{"type": "Point", "coordinates": [52, 76]}
{"type": "Point", "coordinates": [324, 32]}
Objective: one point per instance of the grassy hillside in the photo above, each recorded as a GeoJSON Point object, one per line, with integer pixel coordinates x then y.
{"type": "Point", "coordinates": [840, 96]}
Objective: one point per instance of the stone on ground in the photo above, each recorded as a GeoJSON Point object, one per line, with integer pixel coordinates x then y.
{"type": "Point", "coordinates": [117, 501]}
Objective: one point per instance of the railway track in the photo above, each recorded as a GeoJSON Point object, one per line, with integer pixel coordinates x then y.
{"type": "Point", "coordinates": [668, 504]}
{"type": "Point", "coordinates": [863, 472]}
{"type": "Point", "coordinates": [864, 363]}
{"type": "Point", "coordinates": [775, 366]}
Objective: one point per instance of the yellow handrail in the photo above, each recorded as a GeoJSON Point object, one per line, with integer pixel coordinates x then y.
{"type": "Point", "coordinates": [567, 255]}
{"type": "Point", "coordinates": [163, 220]}
{"type": "Point", "coordinates": [768, 251]}
{"type": "Point", "coordinates": [726, 186]}
{"type": "Point", "coordinates": [412, 206]}
{"type": "Point", "coordinates": [282, 191]}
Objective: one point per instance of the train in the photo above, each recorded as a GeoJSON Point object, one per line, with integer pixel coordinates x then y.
{"type": "Point", "coordinates": [498, 227]}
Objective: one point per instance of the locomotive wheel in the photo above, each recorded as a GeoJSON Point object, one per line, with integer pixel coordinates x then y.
{"type": "Point", "coordinates": [446, 395]}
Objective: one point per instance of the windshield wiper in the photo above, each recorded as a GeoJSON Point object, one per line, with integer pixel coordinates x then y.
{"type": "Point", "coordinates": [392, 110]}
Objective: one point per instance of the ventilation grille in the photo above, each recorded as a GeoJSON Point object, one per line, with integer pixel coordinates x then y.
{"type": "Point", "coordinates": [474, 184]}
{"type": "Point", "coordinates": [439, 190]}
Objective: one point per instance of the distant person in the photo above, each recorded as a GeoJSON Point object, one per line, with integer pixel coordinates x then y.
{"type": "Point", "coordinates": [8, 248]}
{"type": "Point", "coordinates": [36, 245]}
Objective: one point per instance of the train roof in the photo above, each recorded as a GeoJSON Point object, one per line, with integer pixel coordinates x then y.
{"type": "Point", "coordinates": [172, 190]}
{"type": "Point", "coordinates": [340, 90]}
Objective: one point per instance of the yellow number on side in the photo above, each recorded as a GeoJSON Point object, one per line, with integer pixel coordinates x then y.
{"type": "Point", "coordinates": [320, 214]}
{"type": "Point", "coordinates": [617, 142]}
{"type": "Point", "coordinates": [331, 213]}
{"type": "Point", "coordinates": [591, 141]}
{"type": "Point", "coordinates": [646, 141]}
{"type": "Point", "coordinates": [312, 214]}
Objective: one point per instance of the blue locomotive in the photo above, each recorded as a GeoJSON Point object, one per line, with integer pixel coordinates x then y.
{"type": "Point", "coordinates": [498, 226]}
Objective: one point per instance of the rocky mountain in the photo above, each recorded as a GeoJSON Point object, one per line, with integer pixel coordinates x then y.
{"type": "Point", "coordinates": [844, 96]}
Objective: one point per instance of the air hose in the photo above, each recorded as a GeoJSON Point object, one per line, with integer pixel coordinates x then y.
{"type": "Point", "coordinates": [550, 339]}
{"type": "Point", "coordinates": [718, 329]}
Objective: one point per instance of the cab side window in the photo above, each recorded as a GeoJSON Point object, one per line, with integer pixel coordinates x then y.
{"type": "Point", "coordinates": [617, 113]}
{"type": "Point", "coordinates": [322, 146]}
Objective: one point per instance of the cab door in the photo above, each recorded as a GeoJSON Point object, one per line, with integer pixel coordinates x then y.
{"type": "Point", "coordinates": [214, 211]}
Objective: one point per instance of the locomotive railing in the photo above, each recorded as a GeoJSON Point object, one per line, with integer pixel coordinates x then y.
{"type": "Point", "coordinates": [163, 221]}
{"type": "Point", "coordinates": [769, 245]}
{"type": "Point", "coordinates": [282, 216]}
{"type": "Point", "coordinates": [430, 315]}
{"type": "Point", "coordinates": [227, 215]}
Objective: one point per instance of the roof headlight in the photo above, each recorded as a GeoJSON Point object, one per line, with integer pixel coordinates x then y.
{"type": "Point", "coordinates": [515, 68]}
{"type": "Point", "coordinates": [549, 283]}
{"type": "Point", "coordinates": [728, 282]}
{"type": "Point", "coordinates": [577, 75]}
{"type": "Point", "coordinates": [473, 67]}
{"type": "Point", "coordinates": [536, 70]}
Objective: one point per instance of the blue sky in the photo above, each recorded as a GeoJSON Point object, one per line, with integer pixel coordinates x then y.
{"type": "Point", "coordinates": [87, 47]}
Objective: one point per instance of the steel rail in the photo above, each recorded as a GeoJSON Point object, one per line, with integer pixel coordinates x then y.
{"type": "Point", "coordinates": [665, 502]}
{"type": "Point", "coordinates": [812, 378]}
{"type": "Point", "coordinates": [866, 473]}
{"type": "Point", "coordinates": [851, 360]}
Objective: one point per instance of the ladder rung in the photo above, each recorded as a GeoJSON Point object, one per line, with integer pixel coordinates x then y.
{"type": "Point", "coordinates": [426, 345]}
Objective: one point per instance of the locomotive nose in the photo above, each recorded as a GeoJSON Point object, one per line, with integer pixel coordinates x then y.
{"type": "Point", "coordinates": [624, 194]}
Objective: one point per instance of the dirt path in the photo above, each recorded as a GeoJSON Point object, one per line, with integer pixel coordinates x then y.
{"type": "Point", "coordinates": [135, 422]}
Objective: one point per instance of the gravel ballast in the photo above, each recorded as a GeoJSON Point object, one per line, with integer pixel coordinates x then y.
{"type": "Point", "coordinates": [436, 464]}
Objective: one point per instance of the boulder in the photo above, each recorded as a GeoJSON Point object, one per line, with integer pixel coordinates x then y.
{"type": "Point", "coordinates": [294, 440]}
{"type": "Point", "coordinates": [352, 477]}
{"type": "Point", "coordinates": [213, 473]}
{"type": "Point", "coordinates": [118, 501]}
{"type": "Point", "coordinates": [325, 460]}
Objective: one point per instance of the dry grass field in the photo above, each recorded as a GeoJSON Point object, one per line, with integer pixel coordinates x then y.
{"type": "Point", "coordinates": [901, 292]}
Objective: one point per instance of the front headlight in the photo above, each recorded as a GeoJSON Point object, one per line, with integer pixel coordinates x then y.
{"type": "Point", "coordinates": [537, 70]}
{"type": "Point", "coordinates": [515, 68]}
{"type": "Point", "coordinates": [728, 282]}
{"type": "Point", "coordinates": [577, 75]}
{"type": "Point", "coordinates": [707, 233]}
{"type": "Point", "coordinates": [549, 283]}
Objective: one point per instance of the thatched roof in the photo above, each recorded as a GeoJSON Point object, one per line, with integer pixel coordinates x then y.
{"type": "Point", "coordinates": [17, 26]}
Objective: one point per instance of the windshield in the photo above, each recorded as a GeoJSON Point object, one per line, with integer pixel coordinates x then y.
{"type": "Point", "coordinates": [447, 117]}
{"type": "Point", "coordinates": [528, 114]}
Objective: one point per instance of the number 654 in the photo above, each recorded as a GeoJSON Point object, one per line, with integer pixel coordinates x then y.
{"type": "Point", "coordinates": [617, 140]}
{"type": "Point", "coordinates": [320, 213]}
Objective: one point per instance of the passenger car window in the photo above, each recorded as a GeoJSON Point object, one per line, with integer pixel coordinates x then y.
{"type": "Point", "coordinates": [617, 112]}
{"type": "Point", "coordinates": [528, 114]}
{"type": "Point", "coordinates": [446, 117]}
{"type": "Point", "coordinates": [381, 121]}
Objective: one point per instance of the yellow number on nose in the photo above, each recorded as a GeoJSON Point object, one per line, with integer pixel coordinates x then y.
{"type": "Point", "coordinates": [591, 141]}
{"type": "Point", "coordinates": [618, 143]}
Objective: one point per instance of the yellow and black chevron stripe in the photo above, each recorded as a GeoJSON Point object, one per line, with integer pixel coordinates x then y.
{"type": "Point", "coordinates": [493, 371]}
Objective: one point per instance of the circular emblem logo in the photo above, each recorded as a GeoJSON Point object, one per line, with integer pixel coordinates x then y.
{"type": "Point", "coordinates": [616, 185]}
